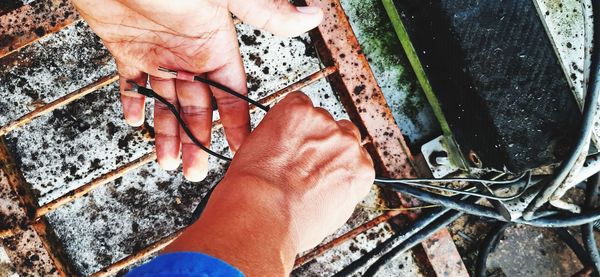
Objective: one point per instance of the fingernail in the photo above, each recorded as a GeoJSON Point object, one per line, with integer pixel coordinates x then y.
{"type": "Point", "coordinates": [134, 122]}
{"type": "Point", "coordinates": [308, 9]}
{"type": "Point", "coordinates": [195, 175]}
{"type": "Point", "coordinates": [168, 163]}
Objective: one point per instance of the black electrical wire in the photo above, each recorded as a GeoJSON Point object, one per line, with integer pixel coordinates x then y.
{"type": "Point", "coordinates": [449, 180]}
{"type": "Point", "coordinates": [584, 135]}
{"type": "Point", "coordinates": [232, 92]}
{"type": "Point", "coordinates": [396, 239]}
{"type": "Point", "coordinates": [564, 235]}
{"type": "Point", "coordinates": [152, 94]}
{"type": "Point", "coordinates": [553, 220]}
{"type": "Point", "coordinates": [465, 192]}
{"type": "Point", "coordinates": [587, 230]}
{"type": "Point", "coordinates": [222, 87]}
{"type": "Point", "coordinates": [415, 239]}
{"type": "Point", "coordinates": [450, 202]}
{"type": "Point", "coordinates": [488, 245]}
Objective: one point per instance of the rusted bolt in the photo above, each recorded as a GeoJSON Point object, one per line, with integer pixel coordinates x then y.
{"type": "Point", "coordinates": [474, 158]}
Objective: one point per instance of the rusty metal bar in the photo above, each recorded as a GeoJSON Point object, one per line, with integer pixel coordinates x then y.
{"type": "Point", "coordinates": [104, 179]}
{"type": "Point", "coordinates": [131, 259]}
{"type": "Point", "coordinates": [62, 101]}
{"type": "Point", "coordinates": [49, 242]}
{"type": "Point", "coordinates": [16, 202]}
{"type": "Point", "coordinates": [345, 237]}
{"type": "Point", "coordinates": [29, 23]}
{"type": "Point", "coordinates": [104, 81]}
{"type": "Point", "coordinates": [309, 80]}
{"type": "Point", "coordinates": [13, 210]}
{"type": "Point", "coordinates": [443, 255]}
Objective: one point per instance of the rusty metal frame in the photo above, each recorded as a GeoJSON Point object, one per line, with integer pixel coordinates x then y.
{"type": "Point", "coordinates": [347, 70]}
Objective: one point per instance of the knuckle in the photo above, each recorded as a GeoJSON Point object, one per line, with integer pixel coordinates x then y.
{"type": "Point", "coordinates": [230, 102]}
{"type": "Point", "coordinates": [323, 112]}
{"type": "Point", "coordinates": [323, 116]}
{"type": "Point", "coordinates": [349, 125]}
{"type": "Point", "coordinates": [368, 161]}
{"type": "Point", "coordinates": [129, 94]}
{"type": "Point", "coordinates": [158, 105]}
{"type": "Point", "coordinates": [348, 136]}
{"type": "Point", "coordinates": [159, 79]}
{"type": "Point", "coordinates": [195, 111]}
{"type": "Point", "coordinates": [298, 97]}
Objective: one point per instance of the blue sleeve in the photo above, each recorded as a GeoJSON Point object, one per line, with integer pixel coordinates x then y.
{"type": "Point", "coordinates": [185, 264]}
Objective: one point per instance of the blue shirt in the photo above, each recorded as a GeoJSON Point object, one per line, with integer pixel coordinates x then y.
{"type": "Point", "coordinates": [185, 264]}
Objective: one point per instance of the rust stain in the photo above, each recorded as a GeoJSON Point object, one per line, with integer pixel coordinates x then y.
{"type": "Point", "coordinates": [443, 255]}
{"type": "Point", "coordinates": [29, 23]}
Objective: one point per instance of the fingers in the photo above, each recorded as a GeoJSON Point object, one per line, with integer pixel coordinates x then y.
{"type": "Point", "coordinates": [132, 102]}
{"type": "Point", "coordinates": [165, 124]}
{"type": "Point", "coordinates": [196, 110]}
{"type": "Point", "coordinates": [234, 112]}
{"type": "Point", "coordinates": [277, 16]}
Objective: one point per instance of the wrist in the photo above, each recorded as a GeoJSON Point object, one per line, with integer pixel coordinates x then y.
{"type": "Point", "coordinates": [243, 226]}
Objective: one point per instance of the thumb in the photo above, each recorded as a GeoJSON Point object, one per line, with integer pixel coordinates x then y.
{"type": "Point", "coordinates": [279, 17]}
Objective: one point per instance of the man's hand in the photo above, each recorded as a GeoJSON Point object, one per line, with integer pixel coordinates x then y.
{"type": "Point", "coordinates": [196, 36]}
{"type": "Point", "coordinates": [295, 180]}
